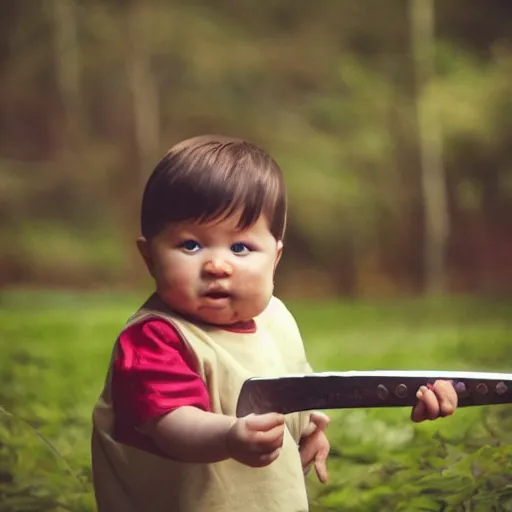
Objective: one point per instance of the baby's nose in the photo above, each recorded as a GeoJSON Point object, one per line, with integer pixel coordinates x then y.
{"type": "Point", "coordinates": [218, 268]}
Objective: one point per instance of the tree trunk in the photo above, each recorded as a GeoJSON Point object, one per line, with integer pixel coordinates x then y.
{"type": "Point", "coordinates": [433, 180]}
{"type": "Point", "coordinates": [144, 89]}
{"type": "Point", "coordinates": [67, 65]}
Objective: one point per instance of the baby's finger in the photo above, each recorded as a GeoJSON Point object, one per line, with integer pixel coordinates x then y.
{"type": "Point", "coordinates": [321, 465]}
{"type": "Point", "coordinates": [321, 471]}
{"type": "Point", "coordinates": [307, 456]}
{"type": "Point", "coordinates": [447, 397]}
{"type": "Point", "coordinates": [309, 430]}
{"type": "Point", "coordinates": [430, 409]}
{"type": "Point", "coordinates": [317, 421]}
{"type": "Point", "coordinates": [266, 459]}
{"type": "Point", "coordinates": [320, 419]}
{"type": "Point", "coordinates": [266, 442]}
{"type": "Point", "coordinates": [419, 413]}
{"type": "Point", "coordinates": [307, 451]}
{"type": "Point", "coordinates": [264, 422]}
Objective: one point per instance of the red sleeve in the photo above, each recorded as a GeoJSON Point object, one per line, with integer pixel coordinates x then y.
{"type": "Point", "coordinates": [153, 373]}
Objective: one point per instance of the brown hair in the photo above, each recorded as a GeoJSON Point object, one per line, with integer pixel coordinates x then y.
{"type": "Point", "coordinates": [211, 177]}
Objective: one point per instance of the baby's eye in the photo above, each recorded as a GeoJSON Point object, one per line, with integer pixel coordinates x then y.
{"type": "Point", "coordinates": [240, 248]}
{"type": "Point", "coordinates": [190, 246]}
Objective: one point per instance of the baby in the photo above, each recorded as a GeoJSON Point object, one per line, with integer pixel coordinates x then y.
{"type": "Point", "coordinates": [165, 435]}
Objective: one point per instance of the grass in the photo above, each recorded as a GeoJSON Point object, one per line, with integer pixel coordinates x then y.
{"type": "Point", "coordinates": [55, 347]}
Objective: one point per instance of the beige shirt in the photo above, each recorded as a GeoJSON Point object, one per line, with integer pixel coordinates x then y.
{"type": "Point", "coordinates": [127, 479]}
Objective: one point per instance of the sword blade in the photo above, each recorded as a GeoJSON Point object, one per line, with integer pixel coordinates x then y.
{"type": "Point", "coordinates": [368, 389]}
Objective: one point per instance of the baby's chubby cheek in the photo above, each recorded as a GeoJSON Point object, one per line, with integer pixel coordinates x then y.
{"type": "Point", "coordinates": [255, 289]}
{"type": "Point", "coordinates": [178, 283]}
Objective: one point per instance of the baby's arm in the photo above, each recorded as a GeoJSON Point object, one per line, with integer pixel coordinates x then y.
{"type": "Point", "coordinates": [189, 434]}
{"type": "Point", "coordinates": [157, 393]}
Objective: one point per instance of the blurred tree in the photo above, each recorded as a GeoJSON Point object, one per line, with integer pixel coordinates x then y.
{"type": "Point", "coordinates": [329, 91]}
{"type": "Point", "coordinates": [145, 100]}
{"type": "Point", "coordinates": [68, 70]}
{"type": "Point", "coordinates": [433, 179]}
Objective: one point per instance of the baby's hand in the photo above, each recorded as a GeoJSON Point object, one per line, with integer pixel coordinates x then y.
{"type": "Point", "coordinates": [435, 401]}
{"type": "Point", "coordinates": [314, 446]}
{"type": "Point", "coordinates": [256, 440]}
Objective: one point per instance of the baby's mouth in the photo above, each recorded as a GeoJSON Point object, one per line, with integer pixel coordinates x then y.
{"type": "Point", "coordinates": [217, 294]}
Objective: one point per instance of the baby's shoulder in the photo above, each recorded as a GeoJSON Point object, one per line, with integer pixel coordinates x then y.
{"type": "Point", "coordinates": [275, 307]}
{"type": "Point", "coordinates": [277, 312]}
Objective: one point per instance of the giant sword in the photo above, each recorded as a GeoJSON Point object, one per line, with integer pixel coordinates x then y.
{"type": "Point", "coordinates": [357, 389]}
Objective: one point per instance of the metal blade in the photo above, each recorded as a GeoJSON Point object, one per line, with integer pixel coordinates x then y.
{"type": "Point", "coordinates": [357, 389]}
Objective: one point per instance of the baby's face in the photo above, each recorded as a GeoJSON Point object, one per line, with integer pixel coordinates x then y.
{"type": "Point", "coordinates": [214, 272]}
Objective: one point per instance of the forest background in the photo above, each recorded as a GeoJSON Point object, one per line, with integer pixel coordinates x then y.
{"type": "Point", "coordinates": [393, 129]}
{"type": "Point", "coordinates": [393, 124]}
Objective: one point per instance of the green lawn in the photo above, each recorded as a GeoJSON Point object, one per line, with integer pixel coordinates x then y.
{"type": "Point", "coordinates": [54, 349]}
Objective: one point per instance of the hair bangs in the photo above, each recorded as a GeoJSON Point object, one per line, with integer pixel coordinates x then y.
{"type": "Point", "coordinates": [240, 192]}
{"type": "Point", "coordinates": [212, 179]}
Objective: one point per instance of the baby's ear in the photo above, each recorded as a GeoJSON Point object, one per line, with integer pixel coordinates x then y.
{"type": "Point", "coordinates": [279, 253]}
{"type": "Point", "coordinates": [145, 252]}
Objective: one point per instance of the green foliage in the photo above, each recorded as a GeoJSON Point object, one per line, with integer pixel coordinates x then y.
{"type": "Point", "coordinates": [399, 469]}
{"type": "Point", "coordinates": [55, 348]}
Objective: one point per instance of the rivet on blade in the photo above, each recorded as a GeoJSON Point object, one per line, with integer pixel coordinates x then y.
{"type": "Point", "coordinates": [482, 389]}
{"type": "Point", "coordinates": [460, 387]}
{"type": "Point", "coordinates": [382, 392]}
{"type": "Point", "coordinates": [401, 391]}
{"type": "Point", "coordinates": [501, 388]}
